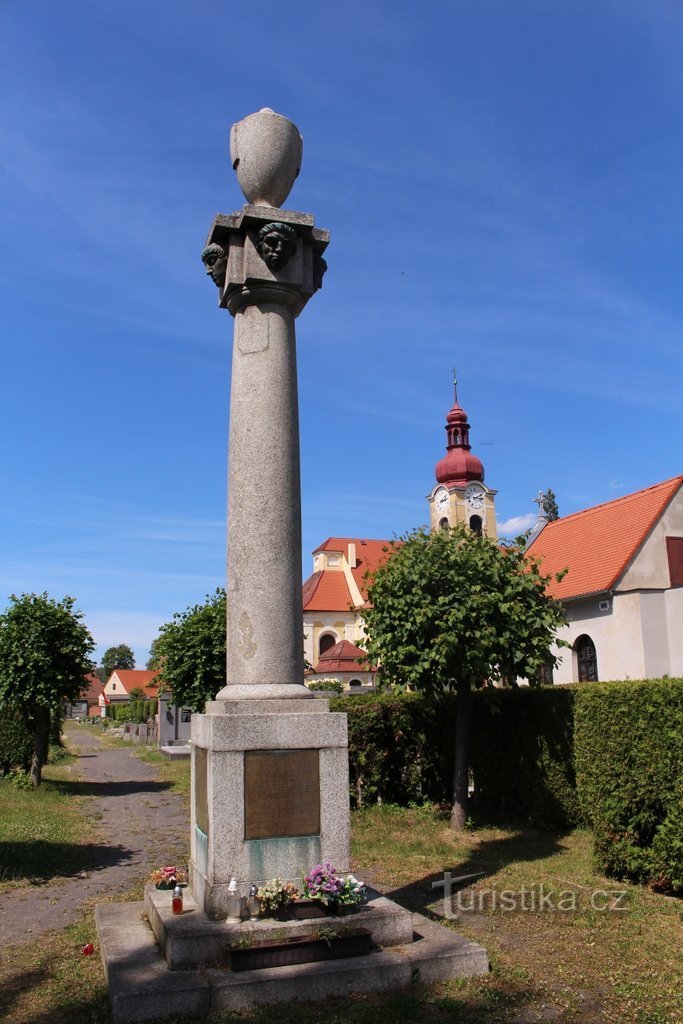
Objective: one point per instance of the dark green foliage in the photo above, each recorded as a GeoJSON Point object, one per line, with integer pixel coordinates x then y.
{"type": "Point", "coordinates": [549, 505]}
{"type": "Point", "coordinates": [387, 746]}
{"type": "Point", "coordinates": [629, 769]}
{"type": "Point", "coordinates": [522, 755]}
{"type": "Point", "coordinates": [451, 607]}
{"type": "Point", "coordinates": [453, 611]}
{"type": "Point", "coordinates": [190, 653]}
{"type": "Point", "coordinates": [401, 750]}
{"type": "Point", "coordinates": [132, 711]}
{"type": "Point", "coordinates": [44, 657]}
{"type": "Point", "coordinates": [116, 657]}
{"type": "Point", "coordinates": [16, 742]}
{"type": "Point", "coordinates": [333, 685]}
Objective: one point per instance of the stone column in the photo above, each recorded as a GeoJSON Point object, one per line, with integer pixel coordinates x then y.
{"type": "Point", "coordinates": [269, 762]}
{"type": "Point", "coordinates": [267, 263]}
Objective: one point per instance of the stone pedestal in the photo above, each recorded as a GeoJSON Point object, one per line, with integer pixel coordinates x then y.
{"type": "Point", "coordinates": [270, 795]}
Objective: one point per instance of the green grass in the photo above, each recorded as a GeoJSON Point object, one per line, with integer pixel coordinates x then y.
{"type": "Point", "coordinates": [577, 967]}
{"type": "Point", "coordinates": [43, 832]}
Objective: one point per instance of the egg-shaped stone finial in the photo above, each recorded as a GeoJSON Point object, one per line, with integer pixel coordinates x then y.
{"type": "Point", "coordinates": [266, 151]}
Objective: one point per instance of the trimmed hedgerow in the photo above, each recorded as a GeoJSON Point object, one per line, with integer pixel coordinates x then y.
{"type": "Point", "coordinates": [629, 768]}
{"type": "Point", "coordinates": [522, 755]}
{"type": "Point", "coordinates": [401, 750]}
{"type": "Point", "coordinates": [16, 743]}
{"type": "Point", "coordinates": [133, 710]}
{"type": "Point", "coordinates": [387, 746]}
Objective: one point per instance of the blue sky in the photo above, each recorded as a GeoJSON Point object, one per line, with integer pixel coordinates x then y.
{"type": "Point", "coordinates": [502, 183]}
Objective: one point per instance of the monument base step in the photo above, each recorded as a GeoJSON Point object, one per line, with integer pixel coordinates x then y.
{"type": "Point", "coordinates": [143, 987]}
{"type": "Point", "coordinates": [191, 939]}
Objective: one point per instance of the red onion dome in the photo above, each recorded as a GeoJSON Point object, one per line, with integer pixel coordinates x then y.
{"type": "Point", "coordinates": [458, 466]}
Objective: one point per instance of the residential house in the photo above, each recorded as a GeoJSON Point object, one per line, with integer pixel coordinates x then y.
{"type": "Point", "coordinates": [122, 681]}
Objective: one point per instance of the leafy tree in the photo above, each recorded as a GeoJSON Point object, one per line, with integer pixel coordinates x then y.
{"type": "Point", "coordinates": [549, 505]}
{"type": "Point", "coordinates": [137, 693]}
{"type": "Point", "coordinates": [451, 610]}
{"type": "Point", "coordinates": [44, 656]}
{"type": "Point", "coordinates": [116, 657]}
{"type": "Point", "coordinates": [151, 661]}
{"type": "Point", "coordinates": [189, 654]}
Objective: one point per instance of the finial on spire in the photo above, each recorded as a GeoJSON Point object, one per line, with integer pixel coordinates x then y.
{"type": "Point", "coordinates": [455, 386]}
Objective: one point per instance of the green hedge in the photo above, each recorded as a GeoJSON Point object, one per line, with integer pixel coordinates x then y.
{"type": "Point", "coordinates": [132, 711]}
{"type": "Point", "coordinates": [401, 750]}
{"type": "Point", "coordinates": [629, 768]}
{"type": "Point", "coordinates": [16, 743]}
{"type": "Point", "coordinates": [387, 746]}
{"type": "Point", "coordinates": [607, 754]}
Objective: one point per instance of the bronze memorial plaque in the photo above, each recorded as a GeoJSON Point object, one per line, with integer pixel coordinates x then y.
{"type": "Point", "coordinates": [281, 793]}
{"type": "Point", "coordinates": [201, 807]}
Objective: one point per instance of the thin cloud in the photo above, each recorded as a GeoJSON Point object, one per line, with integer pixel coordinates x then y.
{"type": "Point", "coordinates": [515, 525]}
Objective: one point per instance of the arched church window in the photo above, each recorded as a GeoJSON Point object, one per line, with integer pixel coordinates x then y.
{"type": "Point", "coordinates": [444, 524]}
{"type": "Point", "coordinates": [327, 640]}
{"type": "Point", "coordinates": [476, 525]}
{"type": "Point", "coordinates": [587, 659]}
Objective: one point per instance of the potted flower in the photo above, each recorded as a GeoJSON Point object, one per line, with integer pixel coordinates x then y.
{"type": "Point", "coordinates": [322, 883]}
{"type": "Point", "coordinates": [168, 877]}
{"type": "Point", "coordinates": [276, 896]}
{"type": "Point", "coordinates": [351, 892]}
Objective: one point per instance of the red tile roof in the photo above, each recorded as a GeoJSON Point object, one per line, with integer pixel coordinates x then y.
{"type": "Point", "coordinates": [92, 688]}
{"type": "Point", "coordinates": [343, 657]}
{"type": "Point", "coordinates": [369, 554]}
{"type": "Point", "coordinates": [327, 591]}
{"type": "Point", "coordinates": [141, 678]}
{"type": "Point", "coordinates": [598, 544]}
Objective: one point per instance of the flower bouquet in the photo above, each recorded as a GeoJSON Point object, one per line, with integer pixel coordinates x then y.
{"type": "Point", "coordinates": [168, 877]}
{"type": "Point", "coordinates": [276, 896]}
{"type": "Point", "coordinates": [323, 883]}
{"type": "Point", "coordinates": [351, 893]}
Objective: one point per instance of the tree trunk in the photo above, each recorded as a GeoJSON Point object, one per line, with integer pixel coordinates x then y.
{"type": "Point", "coordinates": [460, 773]}
{"type": "Point", "coordinates": [41, 725]}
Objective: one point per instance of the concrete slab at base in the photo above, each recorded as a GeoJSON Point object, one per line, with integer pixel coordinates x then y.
{"type": "Point", "coordinates": [142, 987]}
{"type": "Point", "coordinates": [176, 751]}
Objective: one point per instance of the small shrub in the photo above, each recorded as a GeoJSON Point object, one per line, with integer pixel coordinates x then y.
{"type": "Point", "coordinates": [333, 685]}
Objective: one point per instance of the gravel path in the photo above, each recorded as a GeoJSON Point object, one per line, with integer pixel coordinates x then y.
{"type": "Point", "coordinates": [140, 824]}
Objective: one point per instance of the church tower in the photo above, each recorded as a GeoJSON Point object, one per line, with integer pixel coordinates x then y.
{"type": "Point", "coordinates": [460, 494]}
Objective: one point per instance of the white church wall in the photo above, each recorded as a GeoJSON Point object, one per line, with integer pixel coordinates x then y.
{"type": "Point", "coordinates": [616, 634]}
{"type": "Point", "coordinates": [650, 568]}
{"type": "Point", "coordinates": [673, 609]}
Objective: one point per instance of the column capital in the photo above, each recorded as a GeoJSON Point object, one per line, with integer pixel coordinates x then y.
{"type": "Point", "coordinates": [262, 254]}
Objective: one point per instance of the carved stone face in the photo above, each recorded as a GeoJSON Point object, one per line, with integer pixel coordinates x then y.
{"type": "Point", "coordinates": [276, 244]}
{"type": "Point", "coordinates": [215, 259]}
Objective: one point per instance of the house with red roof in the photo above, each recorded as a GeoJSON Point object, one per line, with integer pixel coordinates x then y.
{"type": "Point", "coordinates": [122, 681]}
{"type": "Point", "coordinates": [92, 695]}
{"type": "Point", "coordinates": [623, 590]}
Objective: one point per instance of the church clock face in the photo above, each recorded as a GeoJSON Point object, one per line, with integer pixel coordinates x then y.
{"type": "Point", "coordinates": [474, 496]}
{"type": "Point", "coordinates": [442, 500]}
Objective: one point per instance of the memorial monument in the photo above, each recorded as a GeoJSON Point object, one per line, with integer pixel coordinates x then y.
{"type": "Point", "coordinates": [269, 762]}
{"type": "Point", "coordinates": [270, 786]}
